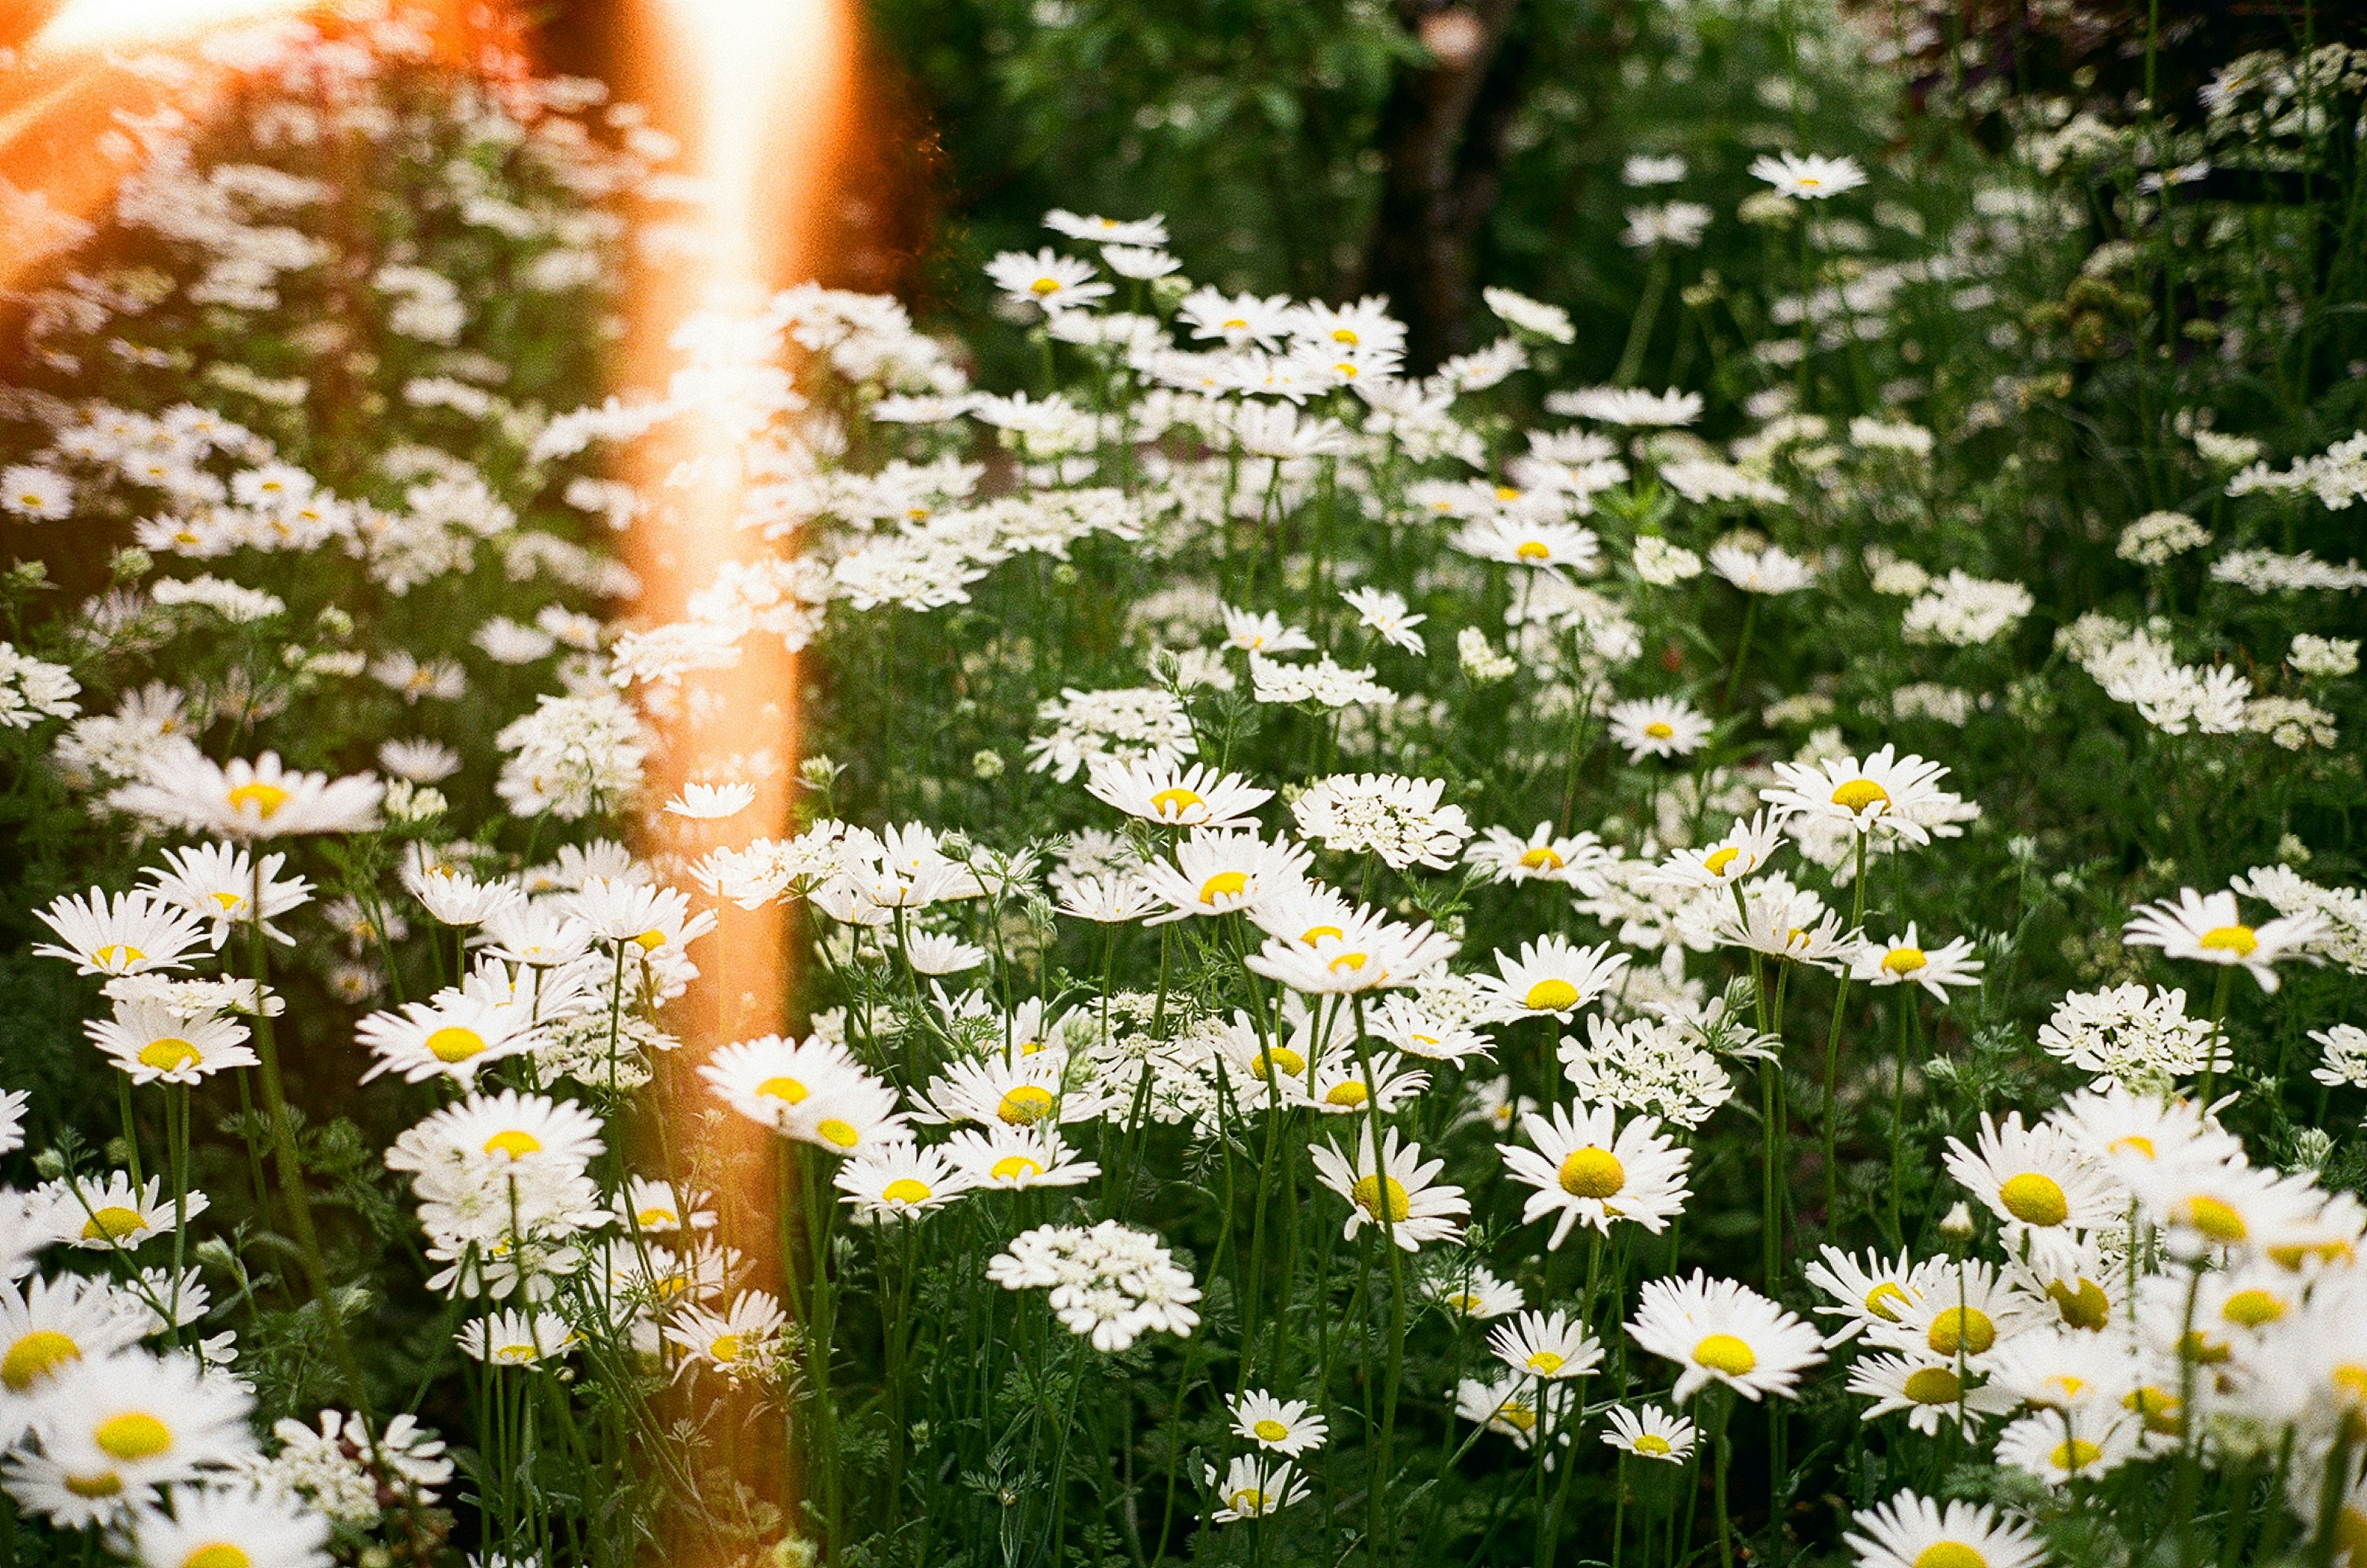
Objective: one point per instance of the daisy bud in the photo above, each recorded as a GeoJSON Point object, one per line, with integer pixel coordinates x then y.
{"type": "Point", "coordinates": [1958, 1224]}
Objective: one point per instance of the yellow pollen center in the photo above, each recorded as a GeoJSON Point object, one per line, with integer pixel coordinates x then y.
{"type": "Point", "coordinates": [454, 1043]}
{"type": "Point", "coordinates": [37, 1355]}
{"type": "Point", "coordinates": [2135, 1144]}
{"type": "Point", "coordinates": [1236, 324]}
{"type": "Point", "coordinates": [2351, 1379]}
{"type": "Point", "coordinates": [217, 1554]}
{"type": "Point", "coordinates": [2216, 1218]}
{"type": "Point", "coordinates": [1950, 1554]}
{"type": "Point", "coordinates": [1270, 1430]}
{"type": "Point", "coordinates": [841, 1133]}
{"type": "Point", "coordinates": [117, 955]}
{"type": "Point", "coordinates": [2252, 1308]}
{"type": "Point", "coordinates": [1224, 885]}
{"type": "Point", "coordinates": [516, 1354]}
{"type": "Point", "coordinates": [1314, 934]}
{"type": "Point", "coordinates": [1015, 1168]}
{"type": "Point", "coordinates": [1904, 960]}
{"type": "Point", "coordinates": [1248, 1500]}
{"type": "Point", "coordinates": [651, 1218]}
{"type": "Point", "coordinates": [168, 1054]}
{"type": "Point", "coordinates": [1541, 858]}
{"type": "Point", "coordinates": [1592, 1172]}
{"type": "Point", "coordinates": [725, 1347]}
{"type": "Point", "coordinates": [1280, 1059]}
{"type": "Point", "coordinates": [1348, 1093]}
{"type": "Point", "coordinates": [1859, 793]}
{"type": "Point", "coordinates": [905, 1189]}
{"type": "Point", "coordinates": [2238, 940]}
{"type": "Point", "coordinates": [266, 799]}
{"type": "Point", "coordinates": [112, 1224]}
{"type": "Point", "coordinates": [102, 1485]}
{"type": "Point", "coordinates": [650, 940]}
{"type": "Point", "coordinates": [1026, 1106]}
{"type": "Point", "coordinates": [1718, 861]}
{"type": "Point", "coordinates": [1534, 550]}
{"type": "Point", "coordinates": [1368, 1193]}
{"type": "Point", "coordinates": [228, 901]}
{"type": "Point", "coordinates": [1175, 802]}
{"type": "Point", "coordinates": [1660, 729]}
{"type": "Point", "coordinates": [1516, 1415]}
{"type": "Point", "coordinates": [1651, 1443]}
{"type": "Point", "coordinates": [1044, 285]}
{"type": "Point", "coordinates": [1725, 1353]}
{"type": "Point", "coordinates": [135, 1435]}
{"type": "Point", "coordinates": [1544, 1363]}
{"type": "Point", "coordinates": [2083, 1305]}
{"type": "Point", "coordinates": [1352, 962]}
{"type": "Point", "coordinates": [1885, 1300]}
{"type": "Point", "coordinates": [1551, 996]}
{"type": "Point", "coordinates": [787, 1090]}
{"type": "Point", "coordinates": [1344, 335]}
{"type": "Point", "coordinates": [1933, 1385]}
{"type": "Point", "coordinates": [2076, 1455]}
{"type": "Point", "coordinates": [2157, 1407]}
{"type": "Point", "coordinates": [514, 1143]}
{"type": "Point", "coordinates": [1967, 1329]}
{"type": "Point", "coordinates": [2035, 1198]}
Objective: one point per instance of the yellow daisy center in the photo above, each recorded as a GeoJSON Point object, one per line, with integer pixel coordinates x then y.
{"type": "Point", "coordinates": [1015, 1168]}
{"type": "Point", "coordinates": [905, 1189]}
{"type": "Point", "coordinates": [841, 1133]}
{"type": "Point", "coordinates": [2216, 1218]}
{"type": "Point", "coordinates": [2076, 1455]}
{"type": "Point", "coordinates": [37, 1355]}
{"type": "Point", "coordinates": [1551, 996]}
{"type": "Point", "coordinates": [1517, 1415]}
{"type": "Point", "coordinates": [650, 940]}
{"type": "Point", "coordinates": [1025, 1105]}
{"type": "Point", "coordinates": [2238, 940]}
{"type": "Point", "coordinates": [514, 1142]}
{"type": "Point", "coordinates": [1344, 335]}
{"type": "Point", "coordinates": [1270, 1430]}
{"type": "Point", "coordinates": [1933, 1385]}
{"type": "Point", "coordinates": [2157, 1407]}
{"type": "Point", "coordinates": [1716, 860]}
{"type": "Point", "coordinates": [2135, 1144]}
{"type": "Point", "coordinates": [1885, 1300]}
{"type": "Point", "coordinates": [112, 1224]}
{"type": "Point", "coordinates": [1224, 885]}
{"type": "Point", "coordinates": [2035, 1198]}
{"type": "Point", "coordinates": [134, 1434]}
{"type": "Point", "coordinates": [168, 1054]}
{"type": "Point", "coordinates": [117, 955]}
{"type": "Point", "coordinates": [1904, 960]}
{"type": "Point", "coordinates": [1314, 934]}
{"type": "Point", "coordinates": [1651, 1443]}
{"type": "Point", "coordinates": [1950, 1554]}
{"type": "Point", "coordinates": [228, 901]}
{"type": "Point", "coordinates": [1281, 1060]}
{"type": "Point", "coordinates": [1544, 1363]}
{"type": "Point", "coordinates": [217, 1554]}
{"type": "Point", "coordinates": [266, 798]}
{"type": "Point", "coordinates": [1967, 1329]}
{"type": "Point", "coordinates": [1660, 729]}
{"type": "Point", "coordinates": [1175, 801]}
{"type": "Point", "coordinates": [1347, 1093]}
{"type": "Point", "coordinates": [454, 1043]}
{"type": "Point", "coordinates": [514, 1355]}
{"type": "Point", "coordinates": [1534, 550]}
{"type": "Point", "coordinates": [1859, 793]}
{"type": "Point", "coordinates": [2083, 1305]}
{"type": "Point", "coordinates": [2351, 1379]}
{"type": "Point", "coordinates": [651, 1218]}
{"type": "Point", "coordinates": [787, 1089]}
{"type": "Point", "coordinates": [724, 1347]}
{"type": "Point", "coordinates": [1044, 285]}
{"type": "Point", "coordinates": [1249, 1500]}
{"type": "Point", "coordinates": [2252, 1308]}
{"type": "Point", "coordinates": [1725, 1353]}
{"type": "Point", "coordinates": [1541, 858]}
{"type": "Point", "coordinates": [101, 1486]}
{"type": "Point", "coordinates": [1372, 1192]}
{"type": "Point", "coordinates": [1592, 1172]}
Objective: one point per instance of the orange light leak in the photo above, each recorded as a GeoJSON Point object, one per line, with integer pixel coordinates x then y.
{"type": "Point", "coordinates": [83, 24]}
{"type": "Point", "coordinates": [759, 93]}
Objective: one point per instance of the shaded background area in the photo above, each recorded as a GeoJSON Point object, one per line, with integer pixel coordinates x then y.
{"type": "Point", "coordinates": [1333, 148]}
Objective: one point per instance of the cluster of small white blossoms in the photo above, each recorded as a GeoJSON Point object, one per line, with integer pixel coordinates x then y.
{"type": "Point", "coordinates": [1110, 1284]}
{"type": "Point", "coordinates": [2139, 666]}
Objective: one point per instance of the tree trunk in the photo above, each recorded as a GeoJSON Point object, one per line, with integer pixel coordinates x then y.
{"type": "Point", "coordinates": [1442, 134]}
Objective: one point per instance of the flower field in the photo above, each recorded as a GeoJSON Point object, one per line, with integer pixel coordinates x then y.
{"type": "Point", "coordinates": [1736, 942]}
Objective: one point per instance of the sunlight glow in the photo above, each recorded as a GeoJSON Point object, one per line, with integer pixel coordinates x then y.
{"type": "Point", "coordinates": [89, 23]}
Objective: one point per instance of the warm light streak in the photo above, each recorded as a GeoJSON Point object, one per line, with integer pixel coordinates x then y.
{"type": "Point", "coordinates": [89, 23]}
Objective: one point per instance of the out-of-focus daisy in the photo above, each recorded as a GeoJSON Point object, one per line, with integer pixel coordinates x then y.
{"type": "Point", "coordinates": [421, 761]}
{"type": "Point", "coordinates": [1659, 727]}
{"type": "Point", "coordinates": [1253, 632]}
{"type": "Point", "coordinates": [235, 1526]}
{"type": "Point", "coordinates": [1099, 231]}
{"type": "Point", "coordinates": [122, 1426]}
{"type": "Point", "coordinates": [1903, 961]}
{"type": "Point", "coordinates": [1909, 1531]}
{"type": "Point", "coordinates": [1651, 1433]}
{"type": "Point", "coordinates": [1046, 278]}
{"type": "Point", "coordinates": [711, 803]}
{"type": "Point", "coordinates": [2212, 930]}
{"type": "Point", "coordinates": [1773, 570]}
{"type": "Point", "coordinates": [1543, 544]}
{"type": "Point", "coordinates": [1554, 977]}
{"type": "Point", "coordinates": [1393, 1189]}
{"type": "Point", "coordinates": [1512, 1405]}
{"type": "Point", "coordinates": [935, 953]}
{"type": "Point", "coordinates": [1542, 854]}
{"type": "Point", "coordinates": [1175, 795]}
{"type": "Point", "coordinates": [1718, 1330]}
{"type": "Point", "coordinates": [1384, 613]}
{"type": "Point", "coordinates": [1277, 1426]}
{"type": "Point", "coordinates": [1586, 1167]}
{"type": "Point", "coordinates": [1473, 1290]}
{"type": "Point", "coordinates": [1930, 1389]}
{"type": "Point", "coordinates": [1809, 178]}
{"type": "Point", "coordinates": [258, 799]}
{"type": "Point", "coordinates": [1542, 1345]}
{"type": "Point", "coordinates": [2060, 1446]}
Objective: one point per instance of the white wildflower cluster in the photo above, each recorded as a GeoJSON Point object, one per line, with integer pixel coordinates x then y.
{"type": "Point", "coordinates": [1109, 1283]}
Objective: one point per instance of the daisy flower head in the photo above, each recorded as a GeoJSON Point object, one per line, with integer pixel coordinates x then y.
{"type": "Point", "coordinates": [711, 803]}
{"type": "Point", "coordinates": [1175, 795]}
{"type": "Point", "coordinates": [114, 1215]}
{"type": "Point", "coordinates": [1747, 846]}
{"type": "Point", "coordinates": [130, 933]}
{"type": "Point", "coordinates": [49, 1328]}
{"type": "Point", "coordinates": [1555, 977]}
{"type": "Point", "coordinates": [743, 1341]}
{"type": "Point", "coordinates": [2060, 1446]}
{"type": "Point", "coordinates": [1903, 961]}
{"type": "Point", "coordinates": [1787, 922]}
{"type": "Point", "coordinates": [1870, 1290]}
{"type": "Point", "coordinates": [1651, 1433]}
{"type": "Point", "coordinates": [2038, 1182]}
{"type": "Point", "coordinates": [1280, 1426]}
{"type": "Point", "coordinates": [218, 882]}
{"type": "Point", "coordinates": [1252, 632]}
{"type": "Point", "coordinates": [1099, 231]}
{"type": "Point", "coordinates": [511, 1128]}
{"type": "Point", "coordinates": [808, 1090]}
{"type": "Point", "coordinates": [455, 1035]}
{"type": "Point", "coordinates": [1885, 796]}
{"type": "Point", "coordinates": [236, 1526]}
{"type": "Point", "coordinates": [1216, 872]}
{"type": "Point", "coordinates": [1550, 1345]}
{"type": "Point", "coordinates": [1909, 1531]}
{"type": "Point", "coordinates": [1018, 1157]}
{"type": "Point", "coordinates": [900, 1179]}
{"type": "Point", "coordinates": [1513, 1405]}
{"type": "Point", "coordinates": [1473, 1290]}
{"type": "Point", "coordinates": [1721, 1331]}
{"type": "Point", "coordinates": [1631, 407]}
{"type": "Point", "coordinates": [420, 762]}
{"type": "Point", "coordinates": [512, 1339]}
{"type": "Point", "coordinates": [1046, 278]}
{"type": "Point", "coordinates": [1773, 570]}
{"type": "Point", "coordinates": [1384, 613]}
{"type": "Point", "coordinates": [1585, 1167]}
{"type": "Point", "coordinates": [1809, 178]}
{"type": "Point", "coordinates": [1963, 1312]}
{"type": "Point", "coordinates": [121, 1426]}
{"type": "Point", "coordinates": [260, 799]}
{"type": "Point", "coordinates": [1510, 858]}
{"type": "Point", "coordinates": [1254, 1487]}
{"type": "Point", "coordinates": [155, 1044]}
{"type": "Point", "coordinates": [2226, 1206]}
{"type": "Point", "coordinates": [1392, 1187]}
{"type": "Point", "coordinates": [1929, 1389]}
{"type": "Point", "coordinates": [2212, 930]}
{"type": "Point", "coordinates": [1659, 727]}
{"type": "Point", "coordinates": [1531, 542]}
